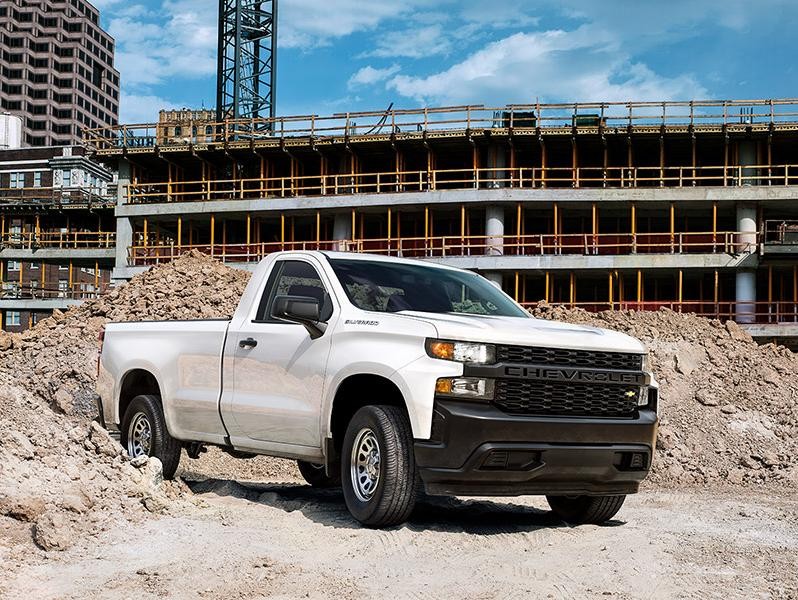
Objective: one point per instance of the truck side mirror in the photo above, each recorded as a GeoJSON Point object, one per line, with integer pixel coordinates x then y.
{"type": "Point", "coordinates": [302, 310]}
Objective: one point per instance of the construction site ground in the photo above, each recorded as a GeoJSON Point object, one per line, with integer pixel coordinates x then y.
{"type": "Point", "coordinates": [288, 540]}
{"type": "Point", "coordinates": [717, 518]}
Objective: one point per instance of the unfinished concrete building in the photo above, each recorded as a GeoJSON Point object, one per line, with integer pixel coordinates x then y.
{"type": "Point", "coordinates": [687, 205]}
{"type": "Point", "coordinates": [57, 232]}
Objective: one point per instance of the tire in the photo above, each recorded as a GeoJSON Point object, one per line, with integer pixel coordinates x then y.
{"type": "Point", "coordinates": [379, 488]}
{"type": "Point", "coordinates": [144, 433]}
{"type": "Point", "coordinates": [583, 510]}
{"type": "Point", "coordinates": [316, 475]}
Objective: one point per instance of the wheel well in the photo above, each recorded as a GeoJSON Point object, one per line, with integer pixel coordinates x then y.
{"type": "Point", "coordinates": [136, 383]}
{"type": "Point", "coordinates": [355, 392]}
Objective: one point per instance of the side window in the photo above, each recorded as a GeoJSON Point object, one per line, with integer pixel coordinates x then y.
{"type": "Point", "coordinates": [294, 278]}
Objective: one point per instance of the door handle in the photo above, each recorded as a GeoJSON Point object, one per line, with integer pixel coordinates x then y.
{"type": "Point", "coordinates": [248, 343]}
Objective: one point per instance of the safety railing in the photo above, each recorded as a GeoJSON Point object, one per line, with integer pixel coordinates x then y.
{"type": "Point", "coordinates": [440, 247]}
{"type": "Point", "coordinates": [68, 197]}
{"type": "Point", "coordinates": [601, 115]}
{"type": "Point", "coordinates": [31, 240]}
{"type": "Point", "coordinates": [762, 313]}
{"type": "Point", "coordinates": [78, 291]}
{"type": "Point", "coordinates": [782, 233]}
{"type": "Point", "coordinates": [461, 179]}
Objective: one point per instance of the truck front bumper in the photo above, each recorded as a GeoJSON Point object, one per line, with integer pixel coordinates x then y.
{"type": "Point", "coordinates": [478, 450]}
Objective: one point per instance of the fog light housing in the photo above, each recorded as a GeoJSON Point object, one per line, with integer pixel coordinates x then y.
{"type": "Point", "coordinates": [467, 388]}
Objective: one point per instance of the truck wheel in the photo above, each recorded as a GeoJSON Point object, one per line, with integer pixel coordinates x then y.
{"type": "Point", "coordinates": [144, 433]}
{"type": "Point", "coordinates": [315, 474]}
{"type": "Point", "coordinates": [378, 468]}
{"type": "Point", "coordinates": [582, 510]}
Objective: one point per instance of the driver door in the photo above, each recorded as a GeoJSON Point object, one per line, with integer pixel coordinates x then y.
{"type": "Point", "coordinates": [278, 370]}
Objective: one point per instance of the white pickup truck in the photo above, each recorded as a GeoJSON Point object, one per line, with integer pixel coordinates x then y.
{"type": "Point", "coordinates": [391, 378]}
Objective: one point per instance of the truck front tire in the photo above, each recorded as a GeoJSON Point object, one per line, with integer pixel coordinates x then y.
{"type": "Point", "coordinates": [316, 475]}
{"type": "Point", "coordinates": [583, 510]}
{"type": "Point", "coordinates": [378, 468]}
{"type": "Point", "coordinates": [144, 433]}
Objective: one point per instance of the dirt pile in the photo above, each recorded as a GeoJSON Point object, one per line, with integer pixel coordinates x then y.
{"type": "Point", "coordinates": [729, 406]}
{"type": "Point", "coordinates": [64, 478]}
{"type": "Point", "coordinates": [58, 471]}
{"type": "Point", "coordinates": [57, 359]}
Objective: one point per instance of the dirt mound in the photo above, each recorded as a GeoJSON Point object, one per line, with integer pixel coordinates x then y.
{"type": "Point", "coordinates": [63, 473]}
{"type": "Point", "coordinates": [66, 478]}
{"type": "Point", "coordinates": [729, 406]}
{"type": "Point", "coordinates": [57, 359]}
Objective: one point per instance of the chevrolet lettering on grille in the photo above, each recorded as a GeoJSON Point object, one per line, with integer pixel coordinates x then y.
{"type": "Point", "coordinates": [559, 374]}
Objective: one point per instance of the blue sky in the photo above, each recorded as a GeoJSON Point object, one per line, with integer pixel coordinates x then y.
{"type": "Point", "coordinates": [350, 55]}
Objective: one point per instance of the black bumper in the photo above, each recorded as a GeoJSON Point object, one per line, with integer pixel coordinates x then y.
{"type": "Point", "coordinates": [478, 450]}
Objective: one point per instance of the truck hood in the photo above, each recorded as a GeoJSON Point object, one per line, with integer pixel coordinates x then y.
{"type": "Point", "coordinates": [519, 331]}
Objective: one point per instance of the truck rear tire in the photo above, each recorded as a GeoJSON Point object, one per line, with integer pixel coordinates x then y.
{"type": "Point", "coordinates": [378, 467]}
{"type": "Point", "coordinates": [144, 433]}
{"type": "Point", "coordinates": [583, 510]}
{"type": "Point", "coordinates": [316, 475]}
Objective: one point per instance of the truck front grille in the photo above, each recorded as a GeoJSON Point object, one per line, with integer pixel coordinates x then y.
{"type": "Point", "coordinates": [563, 357]}
{"type": "Point", "coordinates": [569, 399]}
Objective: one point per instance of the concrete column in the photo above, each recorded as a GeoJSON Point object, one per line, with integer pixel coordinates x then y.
{"type": "Point", "coordinates": [124, 227]}
{"type": "Point", "coordinates": [123, 181]}
{"type": "Point", "coordinates": [124, 240]}
{"type": "Point", "coordinates": [746, 296]}
{"type": "Point", "coordinates": [497, 162]}
{"type": "Point", "coordinates": [494, 230]}
{"type": "Point", "coordinates": [342, 231]}
{"type": "Point", "coordinates": [494, 277]}
{"type": "Point", "coordinates": [494, 215]}
{"type": "Point", "coordinates": [747, 226]}
{"type": "Point", "coordinates": [747, 154]}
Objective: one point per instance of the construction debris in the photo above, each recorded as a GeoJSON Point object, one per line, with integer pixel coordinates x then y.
{"type": "Point", "coordinates": [729, 407]}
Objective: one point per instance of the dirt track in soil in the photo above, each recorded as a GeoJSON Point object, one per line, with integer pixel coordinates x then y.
{"type": "Point", "coordinates": [289, 541]}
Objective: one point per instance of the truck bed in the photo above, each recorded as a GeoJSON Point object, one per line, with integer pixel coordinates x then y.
{"type": "Point", "coordinates": [186, 359]}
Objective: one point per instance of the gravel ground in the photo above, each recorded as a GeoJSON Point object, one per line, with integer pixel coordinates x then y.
{"type": "Point", "coordinates": [289, 541]}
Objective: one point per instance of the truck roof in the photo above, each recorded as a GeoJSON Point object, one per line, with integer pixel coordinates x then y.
{"type": "Point", "coordinates": [371, 257]}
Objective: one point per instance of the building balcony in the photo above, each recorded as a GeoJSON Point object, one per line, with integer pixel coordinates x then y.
{"type": "Point", "coordinates": [528, 178]}
{"type": "Point", "coordinates": [718, 243]}
{"type": "Point", "coordinates": [62, 240]}
{"type": "Point", "coordinates": [466, 121]}
{"type": "Point", "coordinates": [53, 197]}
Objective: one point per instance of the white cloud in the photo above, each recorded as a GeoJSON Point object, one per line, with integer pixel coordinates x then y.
{"type": "Point", "coordinates": [142, 108]}
{"type": "Point", "coordinates": [581, 65]}
{"type": "Point", "coordinates": [417, 42]}
{"type": "Point", "coordinates": [369, 76]}
{"type": "Point", "coordinates": [180, 40]}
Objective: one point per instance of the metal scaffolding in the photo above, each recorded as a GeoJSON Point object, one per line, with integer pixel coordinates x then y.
{"type": "Point", "coordinates": [247, 74]}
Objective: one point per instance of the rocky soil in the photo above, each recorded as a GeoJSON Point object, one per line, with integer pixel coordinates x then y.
{"type": "Point", "coordinates": [729, 407]}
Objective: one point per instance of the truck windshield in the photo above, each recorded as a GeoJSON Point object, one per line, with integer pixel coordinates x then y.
{"type": "Point", "coordinates": [395, 287]}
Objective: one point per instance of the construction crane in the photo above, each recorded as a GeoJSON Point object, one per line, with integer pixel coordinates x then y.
{"type": "Point", "coordinates": [247, 69]}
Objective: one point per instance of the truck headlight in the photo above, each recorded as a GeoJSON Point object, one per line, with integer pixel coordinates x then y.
{"type": "Point", "coordinates": [647, 362]}
{"type": "Point", "coordinates": [467, 388]}
{"type": "Point", "coordinates": [464, 352]}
